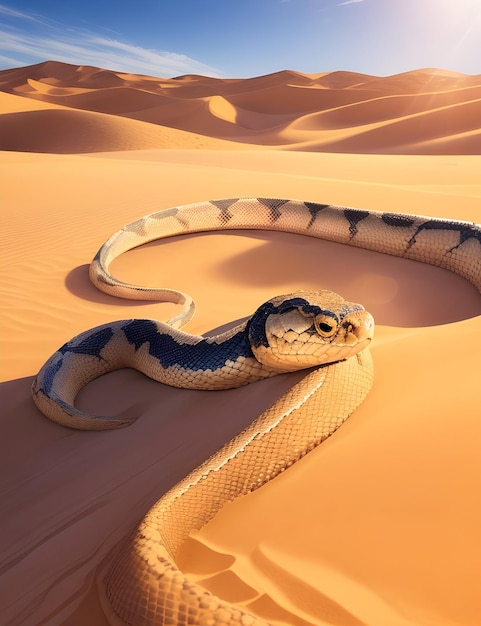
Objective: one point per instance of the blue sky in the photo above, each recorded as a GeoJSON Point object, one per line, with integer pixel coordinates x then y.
{"type": "Point", "coordinates": [242, 38]}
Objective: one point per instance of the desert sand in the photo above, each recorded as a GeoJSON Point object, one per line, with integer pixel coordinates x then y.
{"type": "Point", "coordinates": [379, 526]}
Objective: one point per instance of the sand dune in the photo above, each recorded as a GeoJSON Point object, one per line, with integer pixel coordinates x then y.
{"type": "Point", "coordinates": [379, 526]}
{"type": "Point", "coordinates": [411, 113]}
{"type": "Point", "coordinates": [406, 134]}
{"type": "Point", "coordinates": [26, 126]}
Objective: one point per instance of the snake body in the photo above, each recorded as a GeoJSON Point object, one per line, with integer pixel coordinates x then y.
{"type": "Point", "coordinates": [300, 330]}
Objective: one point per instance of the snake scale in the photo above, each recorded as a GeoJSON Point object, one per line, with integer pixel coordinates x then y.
{"type": "Point", "coordinates": [143, 585]}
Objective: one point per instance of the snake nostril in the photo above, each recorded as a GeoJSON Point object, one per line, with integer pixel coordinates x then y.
{"type": "Point", "coordinates": [358, 329]}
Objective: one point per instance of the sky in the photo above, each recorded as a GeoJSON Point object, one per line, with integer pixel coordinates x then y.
{"type": "Point", "coordinates": [244, 38]}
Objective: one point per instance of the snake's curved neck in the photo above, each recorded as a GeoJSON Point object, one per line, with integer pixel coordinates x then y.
{"type": "Point", "coordinates": [223, 361]}
{"type": "Point", "coordinates": [165, 354]}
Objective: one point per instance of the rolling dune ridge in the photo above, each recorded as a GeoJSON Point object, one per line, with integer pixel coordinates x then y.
{"type": "Point", "coordinates": [379, 526]}
{"type": "Point", "coordinates": [420, 112]}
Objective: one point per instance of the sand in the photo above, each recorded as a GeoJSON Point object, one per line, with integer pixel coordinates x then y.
{"type": "Point", "coordinates": [380, 525]}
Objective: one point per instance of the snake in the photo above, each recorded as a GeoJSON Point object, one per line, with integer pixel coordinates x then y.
{"type": "Point", "coordinates": [316, 331]}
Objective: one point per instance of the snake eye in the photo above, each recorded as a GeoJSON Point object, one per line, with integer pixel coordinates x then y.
{"type": "Point", "coordinates": [325, 325]}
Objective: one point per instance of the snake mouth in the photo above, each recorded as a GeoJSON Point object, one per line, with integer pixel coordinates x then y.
{"type": "Point", "coordinates": [310, 349]}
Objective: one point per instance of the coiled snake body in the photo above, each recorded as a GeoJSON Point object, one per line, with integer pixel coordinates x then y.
{"type": "Point", "coordinates": [300, 330]}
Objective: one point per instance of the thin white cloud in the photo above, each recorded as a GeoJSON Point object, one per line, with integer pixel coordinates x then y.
{"type": "Point", "coordinates": [13, 13]}
{"type": "Point", "coordinates": [341, 4]}
{"type": "Point", "coordinates": [83, 47]}
{"type": "Point", "coordinates": [30, 17]}
{"type": "Point", "coordinates": [89, 49]}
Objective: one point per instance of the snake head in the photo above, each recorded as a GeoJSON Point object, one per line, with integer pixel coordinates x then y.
{"type": "Point", "coordinates": [308, 328]}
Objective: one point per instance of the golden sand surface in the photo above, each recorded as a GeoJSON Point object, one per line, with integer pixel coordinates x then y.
{"type": "Point", "coordinates": [378, 526]}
